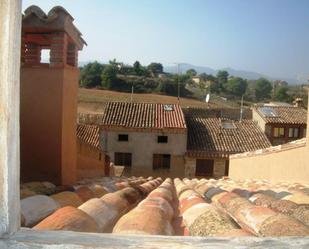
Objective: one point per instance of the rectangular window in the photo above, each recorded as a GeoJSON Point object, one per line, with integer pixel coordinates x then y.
{"type": "Point", "coordinates": [123, 137]}
{"type": "Point", "coordinates": [304, 132]}
{"type": "Point", "coordinates": [296, 132]}
{"type": "Point", "coordinates": [45, 55]}
{"type": "Point", "coordinates": [162, 139]}
{"type": "Point", "coordinates": [123, 159]}
{"type": "Point", "coordinates": [278, 132]}
{"type": "Point", "coordinates": [161, 161]}
{"type": "Point", "coordinates": [291, 132]}
{"type": "Point", "coordinates": [204, 167]}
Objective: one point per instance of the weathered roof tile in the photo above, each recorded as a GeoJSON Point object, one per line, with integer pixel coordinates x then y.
{"type": "Point", "coordinates": [143, 115]}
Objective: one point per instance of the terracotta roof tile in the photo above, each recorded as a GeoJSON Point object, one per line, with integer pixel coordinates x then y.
{"type": "Point", "coordinates": [285, 115]}
{"type": "Point", "coordinates": [228, 113]}
{"type": "Point", "coordinates": [205, 207]}
{"type": "Point", "coordinates": [89, 134]}
{"type": "Point", "coordinates": [207, 135]}
{"type": "Point", "coordinates": [143, 115]}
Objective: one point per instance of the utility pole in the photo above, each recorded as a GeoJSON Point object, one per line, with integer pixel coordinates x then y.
{"type": "Point", "coordinates": [132, 91]}
{"type": "Point", "coordinates": [241, 108]}
{"type": "Point", "coordinates": [178, 89]}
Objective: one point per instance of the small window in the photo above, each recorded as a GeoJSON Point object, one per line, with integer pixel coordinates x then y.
{"type": "Point", "coordinates": [162, 139]}
{"type": "Point", "coordinates": [161, 161]}
{"type": "Point", "coordinates": [168, 108]}
{"type": "Point", "coordinates": [123, 137]}
{"type": "Point", "coordinates": [278, 132]}
{"type": "Point", "coordinates": [304, 132]}
{"type": "Point", "coordinates": [226, 124]}
{"type": "Point", "coordinates": [291, 132]}
{"type": "Point", "coordinates": [296, 132]}
{"type": "Point", "coordinates": [45, 56]}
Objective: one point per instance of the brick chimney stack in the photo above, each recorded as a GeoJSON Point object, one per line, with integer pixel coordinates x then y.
{"type": "Point", "coordinates": [49, 95]}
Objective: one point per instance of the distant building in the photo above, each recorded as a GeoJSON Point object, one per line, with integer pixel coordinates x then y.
{"type": "Point", "coordinates": [196, 79]}
{"type": "Point", "coordinates": [281, 124]}
{"type": "Point", "coordinates": [279, 83]}
{"type": "Point", "coordinates": [212, 140]}
{"type": "Point", "coordinates": [148, 139]}
{"type": "Point", "coordinates": [165, 140]}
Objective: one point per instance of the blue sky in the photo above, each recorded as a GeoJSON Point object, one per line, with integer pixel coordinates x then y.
{"type": "Point", "coordinates": [265, 36]}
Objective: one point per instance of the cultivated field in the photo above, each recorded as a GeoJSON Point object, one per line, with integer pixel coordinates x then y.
{"type": "Point", "coordinates": [93, 101]}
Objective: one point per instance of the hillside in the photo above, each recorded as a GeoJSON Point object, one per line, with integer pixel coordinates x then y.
{"type": "Point", "coordinates": [93, 100]}
{"type": "Point", "coordinates": [239, 73]}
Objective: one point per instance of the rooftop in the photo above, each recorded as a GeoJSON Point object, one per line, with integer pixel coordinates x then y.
{"type": "Point", "coordinates": [143, 115]}
{"type": "Point", "coordinates": [282, 114]}
{"type": "Point", "coordinates": [89, 134]}
{"type": "Point", "coordinates": [220, 208]}
{"type": "Point", "coordinates": [222, 137]}
{"type": "Point", "coordinates": [283, 147]}
{"type": "Point", "coordinates": [58, 19]}
{"type": "Point", "coordinates": [228, 113]}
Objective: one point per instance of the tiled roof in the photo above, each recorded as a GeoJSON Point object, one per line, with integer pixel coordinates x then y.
{"type": "Point", "coordinates": [285, 115]}
{"type": "Point", "coordinates": [229, 113]}
{"type": "Point", "coordinates": [88, 134]}
{"type": "Point", "coordinates": [174, 207]}
{"type": "Point", "coordinates": [57, 19]}
{"type": "Point", "coordinates": [143, 115]}
{"type": "Point", "coordinates": [282, 147]}
{"type": "Point", "coordinates": [206, 136]}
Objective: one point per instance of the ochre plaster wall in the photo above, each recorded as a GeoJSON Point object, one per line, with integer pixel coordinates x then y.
{"type": "Point", "coordinates": [48, 123]}
{"type": "Point", "coordinates": [290, 165]}
{"type": "Point", "coordinates": [90, 161]}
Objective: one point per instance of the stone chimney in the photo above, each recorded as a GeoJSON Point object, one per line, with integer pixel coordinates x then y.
{"type": "Point", "coordinates": [48, 96]}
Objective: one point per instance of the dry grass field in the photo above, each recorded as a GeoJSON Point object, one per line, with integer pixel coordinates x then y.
{"type": "Point", "coordinates": [93, 100]}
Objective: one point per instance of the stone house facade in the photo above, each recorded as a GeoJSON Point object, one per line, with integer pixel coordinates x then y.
{"type": "Point", "coordinates": [148, 139]}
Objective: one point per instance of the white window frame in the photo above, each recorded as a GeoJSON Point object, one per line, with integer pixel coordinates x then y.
{"type": "Point", "coordinates": [11, 235]}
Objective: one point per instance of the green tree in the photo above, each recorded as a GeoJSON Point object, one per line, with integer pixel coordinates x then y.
{"type": "Point", "coordinates": [207, 77]}
{"type": "Point", "coordinates": [137, 68]}
{"type": "Point", "coordinates": [281, 94]}
{"type": "Point", "coordinates": [155, 67]}
{"type": "Point", "coordinates": [262, 89]}
{"type": "Point", "coordinates": [191, 72]}
{"type": "Point", "coordinates": [214, 86]}
{"type": "Point", "coordinates": [170, 87]}
{"type": "Point", "coordinates": [236, 86]}
{"type": "Point", "coordinates": [222, 77]}
{"type": "Point", "coordinates": [109, 76]}
{"type": "Point", "coordinates": [90, 75]}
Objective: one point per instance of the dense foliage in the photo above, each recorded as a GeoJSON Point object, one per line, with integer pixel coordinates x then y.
{"type": "Point", "coordinates": [152, 78]}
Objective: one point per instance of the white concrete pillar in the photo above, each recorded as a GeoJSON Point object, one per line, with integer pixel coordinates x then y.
{"type": "Point", "coordinates": [10, 36]}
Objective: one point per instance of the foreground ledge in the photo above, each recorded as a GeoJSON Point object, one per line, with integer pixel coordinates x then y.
{"type": "Point", "coordinates": [26, 238]}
